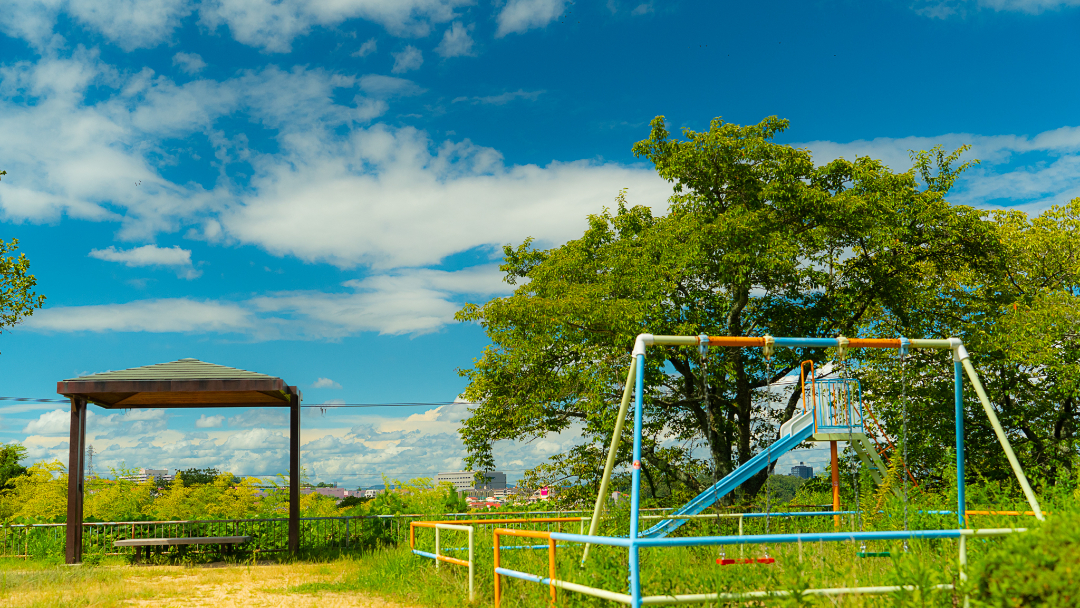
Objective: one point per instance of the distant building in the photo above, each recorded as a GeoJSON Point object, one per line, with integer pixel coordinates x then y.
{"type": "Point", "coordinates": [802, 471]}
{"type": "Point", "coordinates": [372, 493]}
{"type": "Point", "coordinates": [161, 475]}
{"type": "Point", "coordinates": [466, 480]}
{"type": "Point", "coordinates": [338, 493]}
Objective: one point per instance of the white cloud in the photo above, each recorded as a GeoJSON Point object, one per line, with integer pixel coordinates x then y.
{"type": "Point", "coordinates": [522, 15]}
{"type": "Point", "coordinates": [1006, 173]}
{"type": "Point", "coordinates": [151, 255]}
{"type": "Point", "coordinates": [411, 301]}
{"type": "Point", "coordinates": [410, 58]}
{"type": "Point", "coordinates": [456, 42]}
{"type": "Point", "coordinates": [165, 315]}
{"type": "Point", "coordinates": [502, 98]}
{"type": "Point", "coordinates": [209, 422]}
{"type": "Point", "coordinates": [130, 24]}
{"type": "Point", "coordinates": [190, 63]}
{"type": "Point", "coordinates": [381, 86]}
{"type": "Point", "coordinates": [642, 9]}
{"type": "Point", "coordinates": [56, 422]}
{"type": "Point", "coordinates": [260, 417]}
{"type": "Point", "coordinates": [450, 199]}
{"type": "Point", "coordinates": [366, 49]}
{"type": "Point", "coordinates": [325, 383]}
{"type": "Point", "coordinates": [79, 159]}
{"type": "Point", "coordinates": [274, 24]}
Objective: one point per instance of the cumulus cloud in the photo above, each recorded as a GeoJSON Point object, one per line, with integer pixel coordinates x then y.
{"type": "Point", "coordinates": [501, 99]}
{"type": "Point", "coordinates": [274, 24]}
{"type": "Point", "coordinates": [73, 158]}
{"type": "Point", "coordinates": [522, 15]}
{"type": "Point", "coordinates": [162, 315]}
{"type": "Point", "coordinates": [448, 197]}
{"type": "Point", "coordinates": [209, 422]}
{"type": "Point", "coordinates": [260, 417]}
{"type": "Point", "coordinates": [130, 24]}
{"type": "Point", "coordinates": [357, 450]}
{"type": "Point", "coordinates": [325, 383]}
{"type": "Point", "coordinates": [366, 49]}
{"type": "Point", "coordinates": [411, 301]}
{"type": "Point", "coordinates": [151, 255]}
{"type": "Point", "coordinates": [56, 422]}
{"type": "Point", "coordinates": [377, 85]}
{"type": "Point", "coordinates": [456, 41]}
{"type": "Point", "coordinates": [190, 63]}
{"type": "Point", "coordinates": [409, 58]}
{"type": "Point", "coordinates": [1006, 173]}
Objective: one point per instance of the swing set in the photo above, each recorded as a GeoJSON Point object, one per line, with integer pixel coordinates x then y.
{"type": "Point", "coordinates": [834, 412]}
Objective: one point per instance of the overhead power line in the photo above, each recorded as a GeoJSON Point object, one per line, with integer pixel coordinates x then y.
{"type": "Point", "coordinates": [318, 405]}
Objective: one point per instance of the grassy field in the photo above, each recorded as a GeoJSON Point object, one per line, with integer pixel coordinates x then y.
{"type": "Point", "coordinates": [1020, 571]}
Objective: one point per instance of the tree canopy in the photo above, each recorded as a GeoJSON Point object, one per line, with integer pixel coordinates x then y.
{"type": "Point", "coordinates": [757, 240]}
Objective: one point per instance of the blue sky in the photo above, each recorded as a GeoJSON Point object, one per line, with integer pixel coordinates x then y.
{"type": "Point", "coordinates": [310, 189]}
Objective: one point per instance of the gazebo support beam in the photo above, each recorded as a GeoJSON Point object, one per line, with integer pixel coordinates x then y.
{"type": "Point", "coordinates": [76, 454]}
{"type": "Point", "coordinates": [294, 475]}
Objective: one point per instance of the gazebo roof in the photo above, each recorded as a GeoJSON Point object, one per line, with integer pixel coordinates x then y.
{"type": "Point", "coordinates": [181, 383]}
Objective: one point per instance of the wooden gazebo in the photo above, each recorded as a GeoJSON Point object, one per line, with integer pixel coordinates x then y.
{"type": "Point", "coordinates": [183, 383]}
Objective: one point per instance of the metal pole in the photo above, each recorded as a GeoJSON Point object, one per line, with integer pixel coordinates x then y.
{"type": "Point", "coordinates": [635, 482]}
{"type": "Point", "coordinates": [958, 380]}
{"type": "Point", "coordinates": [1000, 432]}
{"type": "Point", "coordinates": [616, 436]}
{"type": "Point", "coordinates": [835, 483]}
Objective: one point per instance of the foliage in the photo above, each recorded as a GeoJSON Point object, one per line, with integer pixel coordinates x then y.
{"type": "Point", "coordinates": [194, 477]}
{"type": "Point", "coordinates": [1019, 320]}
{"type": "Point", "coordinates": [38, 496]}
{"type": "Point", "coordinates": [11, 455]}
{"type": "Point", "coordinates": [17, 297]}
{"type": "Point", "coordinates": [758, 240]}
{"type": "Point", "coordinates": [1034, 569]}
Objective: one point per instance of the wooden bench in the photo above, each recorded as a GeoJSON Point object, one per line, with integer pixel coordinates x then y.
{"type": "Point", "coordinates": [226, 542]}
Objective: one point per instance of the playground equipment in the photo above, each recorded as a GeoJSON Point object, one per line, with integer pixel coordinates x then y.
{"type": "Point", "coordinates": [834, 414]}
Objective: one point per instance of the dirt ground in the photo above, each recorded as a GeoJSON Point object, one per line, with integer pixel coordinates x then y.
{"type": "Point", "coordinates": [218, 586]}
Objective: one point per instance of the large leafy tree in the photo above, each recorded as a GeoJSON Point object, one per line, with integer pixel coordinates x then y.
{"type": "Point", "coordinates": [1021, 323]}
{"type": "Point", "coordinates": [757, 240]}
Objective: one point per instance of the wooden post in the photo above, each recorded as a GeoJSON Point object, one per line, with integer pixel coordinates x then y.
{"type": "Point", "coordinates": [76, 442]}
{"type": "Point", "coordinates": [294, 474]}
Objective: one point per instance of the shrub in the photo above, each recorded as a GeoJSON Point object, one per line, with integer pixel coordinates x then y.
{"type": "Point", "coordinates": [1038, 568]}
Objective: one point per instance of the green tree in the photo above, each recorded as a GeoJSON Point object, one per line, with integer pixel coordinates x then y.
{"type": "Point", "coordinates": [1020, 320]}
{"type": "Point", "coordinates": [757, 240]}
{"type": "Point", "coordinates": [11, 455]}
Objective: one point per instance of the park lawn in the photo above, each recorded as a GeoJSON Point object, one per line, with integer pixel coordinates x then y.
{"type": "Point", "coordinates": [34, 584]}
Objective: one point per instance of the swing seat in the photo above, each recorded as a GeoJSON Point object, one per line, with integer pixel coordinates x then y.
{"type": "Point", "coordinates": [760, 560]}
{"type": "Point", "coordinates": [873, 554]}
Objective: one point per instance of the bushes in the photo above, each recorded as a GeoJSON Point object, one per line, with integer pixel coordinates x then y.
{"type": "Point", "coordinates": [1039, 568]}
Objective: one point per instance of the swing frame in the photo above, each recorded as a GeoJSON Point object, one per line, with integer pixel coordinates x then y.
{"type": "Point", "coordinates": [634, 388]}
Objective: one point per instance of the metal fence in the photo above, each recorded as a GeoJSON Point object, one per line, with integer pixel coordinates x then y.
{"type": "Point", "coordinates": [268, 535]}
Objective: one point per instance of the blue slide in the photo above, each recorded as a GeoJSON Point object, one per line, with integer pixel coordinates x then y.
{"type": "Point", "coordinates": [792, 433]}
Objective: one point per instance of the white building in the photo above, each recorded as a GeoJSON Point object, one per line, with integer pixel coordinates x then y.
{"type": "Point", "coordinates": [161, 475]}
{"type": "Point", "coordinates": [466, 480]}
